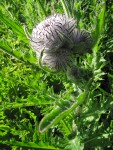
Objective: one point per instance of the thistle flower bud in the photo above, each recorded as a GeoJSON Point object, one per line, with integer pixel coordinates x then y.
{"type": "Point", "coordinates": [59, 60]}
{"type": "Point", "coordinates": [57, 38]}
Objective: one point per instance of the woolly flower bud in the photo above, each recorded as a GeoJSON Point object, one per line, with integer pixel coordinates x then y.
{"type": "Point", "coordinates": [57, 38]}
{"type": "Point", "coordinates": [52, 33]}
{"type": "Point", "coordinates": [58, 60]}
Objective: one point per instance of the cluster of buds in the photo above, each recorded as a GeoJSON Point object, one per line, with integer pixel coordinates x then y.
{"type": "Point", "coordinates": [60, 41]}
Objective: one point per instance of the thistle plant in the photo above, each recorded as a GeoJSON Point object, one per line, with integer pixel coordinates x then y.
{"type": "Point", "coordinates": [40, 110]}
{"type": "Point", "coordinates": [60, 41]}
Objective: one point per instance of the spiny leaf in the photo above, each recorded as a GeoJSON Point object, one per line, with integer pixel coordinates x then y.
{"type": "Point", "coordinates": [59, 113]}
{"type": "Point", "coordinates": [75, 144]}
{"type": "Point", "coordinates": [99, 27]}
{"type": "Point", "coordinates": [4, 46]}
{"type": "Point", "coordinates": [23, 57]}
{"type": "Point", "coordinates": [16, 27]}
{"type": "Point", "coordinates": [40, 146]}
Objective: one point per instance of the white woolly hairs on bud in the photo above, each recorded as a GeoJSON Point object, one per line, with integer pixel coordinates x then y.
{"type": "Point", "coordinates": [57, 60]}
{"type": "Point", "coordinates": [57, 38]}
{"type": "Point", "coordinates": [53, 36]}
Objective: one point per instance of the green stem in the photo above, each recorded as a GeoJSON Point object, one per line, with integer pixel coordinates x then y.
{"type": "Point", "coordinates": [65, 8]}
{"type": "Point", "coordinates": [41, 6]}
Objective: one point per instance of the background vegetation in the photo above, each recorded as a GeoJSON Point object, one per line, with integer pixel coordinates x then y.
{"type": "Point", "coordinates": [43, 110]}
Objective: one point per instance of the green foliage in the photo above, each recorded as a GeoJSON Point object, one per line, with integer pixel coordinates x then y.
{"type": "Point", "coordinates": [49, 110]}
